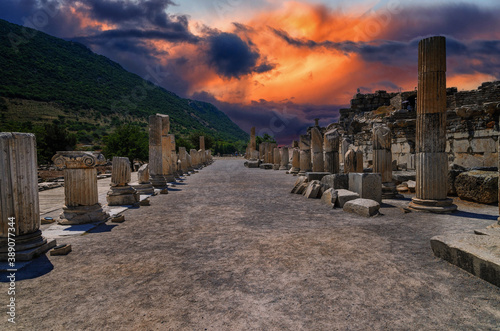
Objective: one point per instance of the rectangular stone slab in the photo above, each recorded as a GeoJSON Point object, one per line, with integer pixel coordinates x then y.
{"type": "Point", "coordinates": [476, 254]}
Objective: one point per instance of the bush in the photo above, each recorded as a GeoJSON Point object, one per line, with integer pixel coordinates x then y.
{"type": "Point", "coordinates": [127, 141]}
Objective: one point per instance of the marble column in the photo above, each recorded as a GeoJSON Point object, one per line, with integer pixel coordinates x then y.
{"type": "Point", "coordinates": [253, 144]}
{"type": "Point", "coordinates": [183, 159]}
{"type": "Point", "coordinates": [262, 148]}
{"type": "Point", "coordinates": [121, 193]}
{"type": "Point", "coordinates": [382, 158]}
{"type": "Point", "coordinates": [19, 204]}
{"type": "Point", "coordinates": [358, 164]}
{"type": "Point", "coordinates": [284, 158]}
{"type": "Point", "coordinates": [277, 158]}
{"type": "Point", "coordinates": [318, 162]}
{"type": "Point", "coordinates": [144, 186]}
{"type": "Point", "coordinates": [331, 147]}
{"type": "Point", "coordinates": [156, 149]}
{"type": "Point", "coordinates": [431, 160]}
{"type": "Point", "coordinates": [166, 146]}
{"type": "Point", "coordinates": [305, 154]}
{"type": "Point", "coordinates": [80, 187]}
{"type": "Point", "coordinates": [295, 161]}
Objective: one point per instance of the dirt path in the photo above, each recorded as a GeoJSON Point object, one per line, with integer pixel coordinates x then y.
{"type": "Point", "coordinates": [232, 249]}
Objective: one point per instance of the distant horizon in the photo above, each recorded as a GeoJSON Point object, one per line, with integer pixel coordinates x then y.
{"type": "Point", "coordinates": [271, 64]}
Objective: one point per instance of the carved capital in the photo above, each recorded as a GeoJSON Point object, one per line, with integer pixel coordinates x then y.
{"type": "Point", "coordinates": [78, 159]}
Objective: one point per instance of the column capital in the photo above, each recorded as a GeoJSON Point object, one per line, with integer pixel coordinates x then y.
{"type": "Point", "coordinates": [78, 159]}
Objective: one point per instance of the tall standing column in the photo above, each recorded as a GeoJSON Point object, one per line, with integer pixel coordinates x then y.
{"type": "Point", "coordinates": [183, 158]}
{"type": "Point", "coordinates": [156, 157]}
{"type": "Point", "coordinates": [19, 204]}
{"type": "Point", "coordinates": [431, 160]}
{"type": "Point", "coordinates": [166, 147]}
{"type": "Point", "coordinates": [284, 158]}
{"type": "Point", "coordinates": [318, 163]}
{"type": "Point", "coordinates": [331, 147]}
{"type": "Point", "coordinates": [253, 145]}
{"type": "Point", "coordinates": [262, 147]}
{"type": "Point", "coordinates": [305, 154]}
{"type": "Point", "coordinates": [272, 146]}
{"type": "Point", "coordinates": [382, 158]}
{"type": "Point", "coordinates": [121, 193]}
{"type": "Point", "coordinates": [80, 187]}
{"type": "Point", "coordinates": [295, 161]}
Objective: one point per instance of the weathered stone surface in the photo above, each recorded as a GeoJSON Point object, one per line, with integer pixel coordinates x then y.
{"type": "Point", "coordinates": [431, 160]}
{"type": "Point", "coordinates": [284, 157]}
{"type": "Point", "coordinates": [302, 188]}
{"type": "Point", "coordinates": [252, 164]}
{"type": "Point", "coordinates": [350, 162]}
{"type": "Point", "coordinates": [305, 154]}
{"type": "Point", "coordinates": [477, 254]}
{"type": "Point", "coordinates": [313, 190]}
{"type": "Point", "coordinates": [477, 185]}
{"type": "Point", "coordinates": [368, 186]}
{"type": "Point", "coordinates": [362, 207]}
{"type": "Point", "coordinates": [329, 197]}
{"type": "Point", "coordinates": [318, 163]}
{"type": "Point", "coordinates": [331, 148]}
{"type": "Point", "coordinates": [298, 183]}
{"type": "Point", "coordinates": [295, 161]}
{"type": "Point", "coordinates": [266, 166]}
{"type": "Point", "coordinates": [143, 174]}
{"type": "Point", "coordinates": [411, 184]}
{"type": "Point", "coordinates": [316, 175]}
{"type": "Point", "coordinates": [121, 171]}
{"type": "Point", "coordinates": [345, 195]}
{"type": "Point", "coordinates": [158, 125]}
{"type": "Point", "coordinates": [403, 176]}
{"type": "Point", "coordinates": [335, 181]}
{"type": "Point", "coordinates": [382, 156]}
{"type": "Point", "coordinates": [19, 197]}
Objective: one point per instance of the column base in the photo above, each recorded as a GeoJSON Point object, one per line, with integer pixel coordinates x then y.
{"type": "Point", "coordinates": [433, 206]}
{"type": "Point", "coordinates": [122, 195]}
{"type": "Point", "coordinates": [294, 171]}
{"type": "Point", "coordinates": [27, 246]}
{"type": "Point", "coordinates": [144, 189]}
{"type": "Point", "coordinates": [82, 215]}
{"type": "Point", "coordinates": [158, 181]}
{"type": "Point", "coordinates": [283, 167]}
{"type": "Point", "coordinates": [389, 191]}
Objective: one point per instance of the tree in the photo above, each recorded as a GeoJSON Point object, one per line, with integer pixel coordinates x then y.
{"type": "Point", "coordinates": [264, 138]}
{"type": "Point", "coordinates": [194, 137]}
{"type": "Point", "coordinates": [127, 141]}
{"type": "Point", "coordinates": [51, 138]}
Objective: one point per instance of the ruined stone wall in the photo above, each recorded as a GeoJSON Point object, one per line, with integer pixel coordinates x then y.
{"type": "Point", "coordinates": [472, 127]}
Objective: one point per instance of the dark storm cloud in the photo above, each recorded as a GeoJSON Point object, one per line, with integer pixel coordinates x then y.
{"type": "Point", "coordinates": [232, 57]}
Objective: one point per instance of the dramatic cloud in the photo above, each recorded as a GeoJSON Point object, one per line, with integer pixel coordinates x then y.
{"type": "Point", "coordinates": [278, 68]}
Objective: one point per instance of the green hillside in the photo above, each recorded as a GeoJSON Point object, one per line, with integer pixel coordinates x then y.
{"type": "Point", "coordinates": [46, 79]}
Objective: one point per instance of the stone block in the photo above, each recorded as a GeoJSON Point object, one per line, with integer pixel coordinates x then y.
{"type": "Point", "coordinates": [336, 181]}
{"type": "Point", "coordinates": [403, 176]}
{"type": "Point", "coordinates": [467, 160]}
{"type": "Point", "coordinates": [329, 197]}
{"type": "Point", "coordinates": [476, 254]}
{"type": "Point", "coordinates": [343, 196]}
{"type": "Point", "coordinates": [481, 145]}
{"type": "Point", "coordinates": [461, 145]}
{"type": "Point", "coordinates": [313, 190]}
{"type": "Point", "coordinates": [368, 186]}
{"type": "Point", "coordinates": [301, 180]}
{"type": "Point", "coordinates": [362, 207]}
{"type": "Point", "coordinates": [316, 175]}
{"type": "Point", "coordinates": [252, 164]}
{"type": "Point", "coordinates": [479, 186]}
{"type": "Point", "coordinates": [411, 185]}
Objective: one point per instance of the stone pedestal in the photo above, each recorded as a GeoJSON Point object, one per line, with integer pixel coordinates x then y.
{"type": "Point", "coordinates": [19, 198]}
{"type": "Point", "coordinates": [121, 193]}
{"type": "Point", "coordinates": [284, 158]}
{"type": "Point", "coordinates": [295, 161]}
{"type": "Point", "coordinates": [277, 158]}
{"type": "Point", "coordinates": [80, 187]}
{"type": "Point", "coordinates": [144, 186]}
{"type": "Point", "coordinates": [368, 186]}
{"type": "Point", "coordinates": [318, 163]}
{"type": "Point", "coordinates": [305, 154]}
{"type": "Point", "coordinates": [382, 159]}
{"type": "Point", "coordinates": [331, 147]}
{"type": "Point", "coordinates": [431, 160]}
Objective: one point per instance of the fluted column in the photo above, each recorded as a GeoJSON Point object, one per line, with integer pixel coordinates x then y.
{"type": "Point", "coordinates": [284, 158]}
{"type": "Point", "coordinates": [331, 147]}
{"type": "Point", "coordinates": [121, 193]}
{"type": "Point", "coordinates": [382, 158]}
{"type": "Point", "coordinates": [19, 198]}
{"type": "Point", "coordinates": [80, 187]}
{"type": "Point", "coordinates": [431, 160]}
{"type": "Point", "coordinates": [305, 154]}
{"type": "Point", "coordinates": [318, 163]}
{"type": "Point", "coordinates": [295, 161]}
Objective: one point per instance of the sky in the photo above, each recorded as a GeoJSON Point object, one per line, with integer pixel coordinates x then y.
{"type": "Point", "coordinates": [276, 65]}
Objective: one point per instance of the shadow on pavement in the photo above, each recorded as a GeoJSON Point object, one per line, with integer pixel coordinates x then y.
{"type": "Point", "coordinates": [33, 269]}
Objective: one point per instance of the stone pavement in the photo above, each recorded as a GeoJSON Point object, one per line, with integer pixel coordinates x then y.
{"type": "Point", "coordinates": [231, 249]}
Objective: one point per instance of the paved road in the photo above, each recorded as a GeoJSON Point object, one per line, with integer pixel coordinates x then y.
{"type": "Point", "coordinates": [232, 249]}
